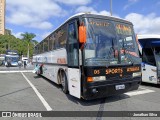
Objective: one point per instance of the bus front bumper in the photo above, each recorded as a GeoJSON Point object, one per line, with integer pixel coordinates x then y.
{"type": "Point", "coordinates": [105, 90]}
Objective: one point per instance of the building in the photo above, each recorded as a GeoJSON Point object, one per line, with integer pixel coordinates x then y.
{"type": "Point", "coordinates": [2, 16]}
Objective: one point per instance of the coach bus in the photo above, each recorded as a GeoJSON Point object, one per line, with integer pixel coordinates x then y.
{"type": "Point", "coordinates": [149, 46]}
{"type": "Point", "coordinates": [11, 58]}
{"type": "Point", "coordinates": [2, 59]}
{"type": "Point", "coordinates": [91, 56]}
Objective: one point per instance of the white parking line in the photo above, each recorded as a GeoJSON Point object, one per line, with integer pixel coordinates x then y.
{"type": "Point", "coordinates": [38, 94]}
{"type": "Point", "coordinates": [139, 92]}
{"type": "Point", "coordinates": [16, 71]}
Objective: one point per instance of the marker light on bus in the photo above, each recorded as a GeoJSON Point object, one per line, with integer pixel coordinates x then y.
{"type": "Point", "coordinates": [89, 79]}
{"type": "Point", "coordinates": [93, 79]}
{"type": "Point", "coordinates": [136, 74]}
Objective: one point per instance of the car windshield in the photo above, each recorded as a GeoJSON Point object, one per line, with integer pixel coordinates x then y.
{"type": "Point", "coordinates": [109, 43]}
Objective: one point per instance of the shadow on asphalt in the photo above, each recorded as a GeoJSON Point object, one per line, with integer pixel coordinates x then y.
{"type": "Point", "coordinates": [109, 99]}
{"type": "Point", "coordinates": [15, 92]}
{"type": "Point", "coordinates": [83, 102]}
{"type": "Point", "coordinates": [37, 76]}
{"type": "Point", "coordinates": [150, 85]}
{"type": "Point", "coordinates": [51, 82]}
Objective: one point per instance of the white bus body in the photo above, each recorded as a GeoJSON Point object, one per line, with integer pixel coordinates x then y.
{"type": "Point", "coordinates": [65, 59]}
{"type": "Point", "coordinates": [50, 72]}
{"type": "Point", "coordinates": [149, 47]}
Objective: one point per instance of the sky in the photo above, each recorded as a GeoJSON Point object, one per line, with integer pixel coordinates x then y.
{"type": "Point", "coordinates": [42, 17]}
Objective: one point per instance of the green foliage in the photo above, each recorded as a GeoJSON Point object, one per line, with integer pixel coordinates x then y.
{"type": "Point", "coordinates": [28, 37]}
{"type": "Point", "coordinates": [13, 43]}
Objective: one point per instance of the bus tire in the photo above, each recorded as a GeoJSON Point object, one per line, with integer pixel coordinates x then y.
{"type": "Point", "coordinates": [64, 82]}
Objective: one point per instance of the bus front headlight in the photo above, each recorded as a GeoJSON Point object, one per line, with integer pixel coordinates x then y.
{"type": "Point", "coordinates": [94, 79]}
{"type": "Point", "coordinates": [100, 78]}
{"type": "Point", "coordinates": [136, 74]}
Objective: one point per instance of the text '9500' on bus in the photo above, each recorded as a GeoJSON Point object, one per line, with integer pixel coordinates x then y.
{"type": "Point", "coordinates": [91, 56]}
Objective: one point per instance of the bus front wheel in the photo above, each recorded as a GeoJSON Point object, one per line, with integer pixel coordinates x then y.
{"type": "Point", "coordinates": [64, 83]}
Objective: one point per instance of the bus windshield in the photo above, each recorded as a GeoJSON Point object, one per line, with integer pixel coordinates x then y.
{"type": "Point", "coordinates": [109, 43]}
{"type": "Point", "coordinates": [12, 58]}
{"type": "Point", "coordinates": [157, 56]}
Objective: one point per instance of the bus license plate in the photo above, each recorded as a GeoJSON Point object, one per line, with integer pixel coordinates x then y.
{"type": "Point", "coordinates": [120, 87]}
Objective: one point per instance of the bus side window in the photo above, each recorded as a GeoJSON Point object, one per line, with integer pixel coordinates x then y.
{"type": "Point", "coordinates": [36, 50]}
{"type": "Point", "coordinates": [41, 47]}
{"type": "Point", "coordinates": [72, 46]}
{"type": "Point", "coordinates": [63, 37]}
{"type": "Point", "coordinates": [52, 42]}
{"type": "Point", "coordinates": [72, 34]}
{"type": "Point", "coordinates": [45, 44]}
{"type": "Point", "coordinates": [57, 45]}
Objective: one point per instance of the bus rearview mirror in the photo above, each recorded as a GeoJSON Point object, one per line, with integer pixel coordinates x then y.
{"type": "Point", "coordinates": [82, 34]}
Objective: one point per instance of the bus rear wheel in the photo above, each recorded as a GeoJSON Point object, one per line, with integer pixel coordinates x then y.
{"type": "Point", "coordinates": [64, 82]}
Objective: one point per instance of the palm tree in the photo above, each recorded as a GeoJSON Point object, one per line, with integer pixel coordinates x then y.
{"type": "Point", "coordinates": [28, 37]}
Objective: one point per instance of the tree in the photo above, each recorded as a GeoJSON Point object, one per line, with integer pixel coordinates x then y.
{"type": "Point", "coordinates": [10, 42]}
{"type": "Point", "coordinates": [7, 42]}
{"type": "Point", "coordinates": [28, 37]}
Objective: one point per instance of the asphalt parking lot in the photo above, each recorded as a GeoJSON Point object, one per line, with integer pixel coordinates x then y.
{"type": "Point", "coordinates": [23, 90]}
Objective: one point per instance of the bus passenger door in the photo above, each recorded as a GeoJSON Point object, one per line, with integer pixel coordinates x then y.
{"type": "Point", "coordinates": [149, 73]}
{"type": "Point", "coordinates": [149, 69]}
{"type": "Point", "coordinates": [74, 81]}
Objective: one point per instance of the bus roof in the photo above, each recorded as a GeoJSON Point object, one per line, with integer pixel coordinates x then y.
{"type": "Point", "coordinates": [94, 16]}
{"type": "Point", "coordinates": [148, 36]}
{"type": "Point", "coordinates": [149, 40]}
{"type": "Point", "coordinates": [78, 15]}
{"type": "Point", "coordinates": [97, 16]}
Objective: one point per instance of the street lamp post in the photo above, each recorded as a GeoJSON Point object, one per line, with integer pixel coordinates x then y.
{"type": "Point", "coordinates": [111, 7]}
